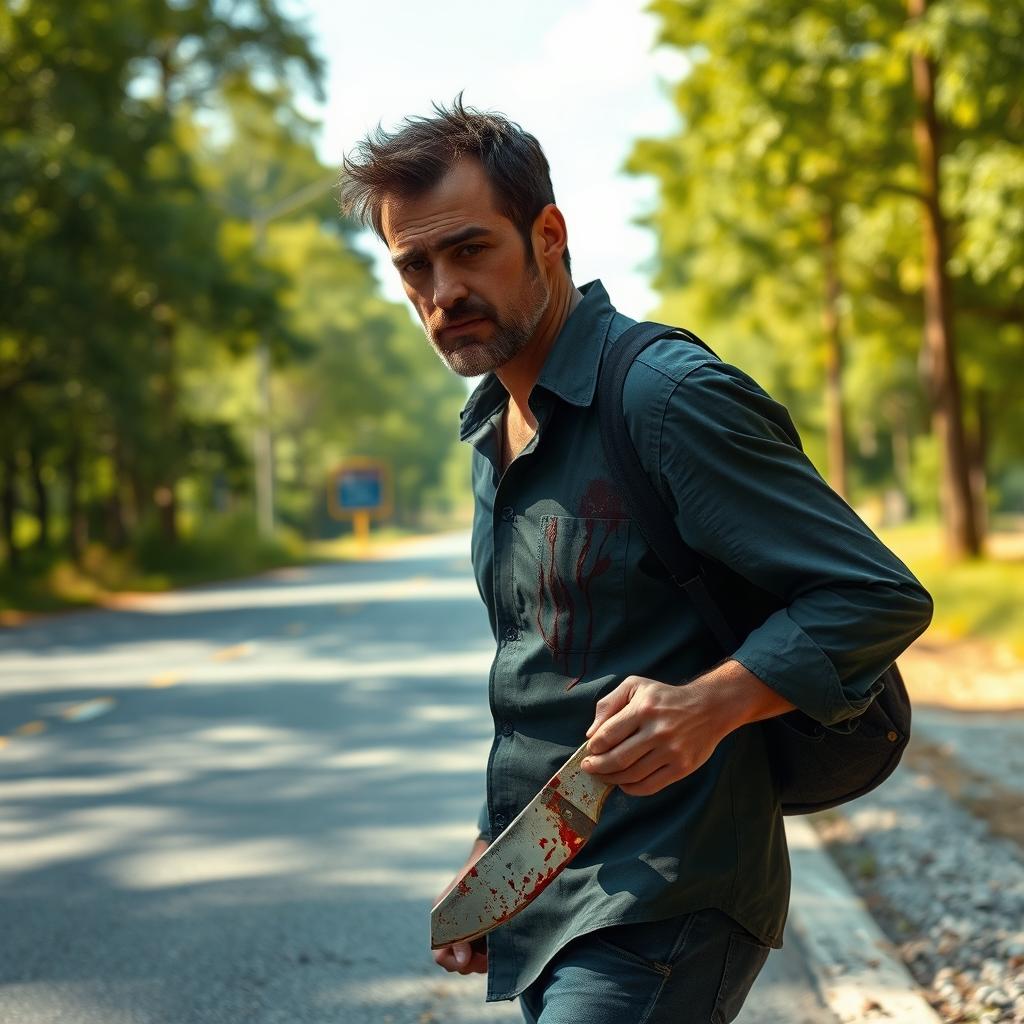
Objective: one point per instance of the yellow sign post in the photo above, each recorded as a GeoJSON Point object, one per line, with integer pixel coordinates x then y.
{"type": "Point", "coordinates": [358, 490]}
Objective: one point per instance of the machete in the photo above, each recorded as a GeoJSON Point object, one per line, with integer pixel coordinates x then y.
{"type": "Point", "coordinates": [516, 868]}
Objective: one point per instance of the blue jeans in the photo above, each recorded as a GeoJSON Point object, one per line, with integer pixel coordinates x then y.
{"type": "Point", "coordinates": [693, 969]}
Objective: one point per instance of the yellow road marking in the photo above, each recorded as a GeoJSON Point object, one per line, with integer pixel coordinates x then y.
{"type": "Point", "coordinates": [165, 679]}
{"type": "Point", "coordinates": [230, 653]}
{"type": "Point", "coordinates": [3, 742]}
{"type": "Point", "coordinates": [89, 709]}
{"type": "Point", "coordinates": [31, 728]}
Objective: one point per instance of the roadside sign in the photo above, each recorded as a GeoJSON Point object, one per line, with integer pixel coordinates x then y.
{"type": "Point", "coordinates": [358, 489]}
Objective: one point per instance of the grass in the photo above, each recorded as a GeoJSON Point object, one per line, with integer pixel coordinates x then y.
{"type": "Point", "coordinates": [982, 599]}
{"type": "Point", "coordinates": [226, 549]}
{"type": "Point", "coordinates": [348, 546]}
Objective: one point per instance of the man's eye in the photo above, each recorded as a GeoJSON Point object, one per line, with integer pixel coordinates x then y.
{"type": "Point", "coordinates": [413, 266]}
{"type": "Point", "coordinates": [472, 249]}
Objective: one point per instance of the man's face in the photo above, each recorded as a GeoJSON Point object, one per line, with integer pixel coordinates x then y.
{"type": "Point", "coordinates": [465, 268]}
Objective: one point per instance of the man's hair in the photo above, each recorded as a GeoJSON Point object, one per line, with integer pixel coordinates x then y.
{"type": "Point", "coordinates": [418, 154]}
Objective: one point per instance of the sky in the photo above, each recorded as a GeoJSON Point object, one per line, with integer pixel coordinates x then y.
{"type": "Point", "coordinates": [583, 76]}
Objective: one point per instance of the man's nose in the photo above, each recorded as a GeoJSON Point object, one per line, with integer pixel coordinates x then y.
{"type": "Point", "coordinates": [449, 289]}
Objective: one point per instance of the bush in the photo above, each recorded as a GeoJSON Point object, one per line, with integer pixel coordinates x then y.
{"type": "Point", "coordinates": [222, 547]}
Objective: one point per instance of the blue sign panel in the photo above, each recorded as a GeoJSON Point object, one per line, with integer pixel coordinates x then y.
{"type": "Point", "coordinates": [360, 489]}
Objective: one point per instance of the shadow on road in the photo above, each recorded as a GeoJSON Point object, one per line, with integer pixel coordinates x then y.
{"type": "Point", "coordinates": [263, 840]}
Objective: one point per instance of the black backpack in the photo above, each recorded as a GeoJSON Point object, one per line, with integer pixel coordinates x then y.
{"type": "Point", "coordinates": [815, 767]}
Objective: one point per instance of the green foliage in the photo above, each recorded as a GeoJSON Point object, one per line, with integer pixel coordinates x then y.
{"type": "Point", "coordinates": [225, 547]}
{"type": "Point", "coordinates": [924, 477]}
{"type": "Point", "coordinates": [798, 116]}
{"type": "Point", "coordinates": [982, 599]}
{"type": "Point", "coordinates": [163, 215]}
{"type": "Point", "coordinates": [220, 548]}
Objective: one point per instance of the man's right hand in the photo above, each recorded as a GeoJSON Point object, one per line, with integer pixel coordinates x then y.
{"type": "Point", "coordinates": [462, 957]}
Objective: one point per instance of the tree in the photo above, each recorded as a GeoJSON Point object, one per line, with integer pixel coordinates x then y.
{"type": "Point", "coordinates": [963, 530]}
{"type": "Point", "coordinates": [795, 180]}
{"type": "Point", "coordinates": [111, 243]}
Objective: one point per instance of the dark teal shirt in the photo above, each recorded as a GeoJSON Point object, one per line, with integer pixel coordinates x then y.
{"type": "Point", "coordinates": [577, 601]}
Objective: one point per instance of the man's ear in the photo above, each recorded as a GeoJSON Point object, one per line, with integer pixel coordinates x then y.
{"type": "Point", "coordinates": [550, 236]}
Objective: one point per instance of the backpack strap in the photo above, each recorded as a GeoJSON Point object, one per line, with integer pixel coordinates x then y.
{"type": "Point", "coordinates": [645, 505]}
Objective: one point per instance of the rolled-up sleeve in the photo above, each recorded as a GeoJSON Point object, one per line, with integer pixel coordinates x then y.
{"type": "Point", "coordinates": [744, 493]}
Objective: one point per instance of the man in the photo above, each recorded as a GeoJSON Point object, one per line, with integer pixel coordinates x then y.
{"type": "Point", "coordinates": [670, 910]}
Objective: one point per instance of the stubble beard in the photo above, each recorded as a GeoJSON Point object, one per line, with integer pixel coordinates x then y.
{"type": "Point", "coordinates": [475, 355]}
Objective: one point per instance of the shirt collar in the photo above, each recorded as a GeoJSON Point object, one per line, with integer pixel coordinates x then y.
{"type": "Point", "coordinates": [570, 370]}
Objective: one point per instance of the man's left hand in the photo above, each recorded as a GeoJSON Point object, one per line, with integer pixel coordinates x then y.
{"type": "Point", "coordinates": [647, 734]}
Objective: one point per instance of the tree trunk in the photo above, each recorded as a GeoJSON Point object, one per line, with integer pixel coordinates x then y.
{"type": "Point", "coordinates": [165, 495]}
{"type": "Point", "coordinates": [117, 534]}
{"type": "Point", "coordinates": [835, 422]}
{"type": "Point", "coordinates": [167, 512]}
{"type": "Point", "coordinates": [78, 526]}
{"type": "Point", "coordinates": [139, 495]}
{"type": "Point", "coordinates": [961, 527]}
{"type": "Point", "coordinates": [8, 510]}
{"type": "Point", "coordinates": [128, 487]}
{"type": "Point", "coordinates": [979, 460]}
{"type": "Point", "coordinates": [42, 497]}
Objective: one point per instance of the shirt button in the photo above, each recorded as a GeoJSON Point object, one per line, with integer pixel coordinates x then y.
{"type": "Point", "coordinates": [511, 633]}
{"type": "Point", "coordinates": [508, 513]}
{"type": "Point", "coordinates": [507, 729]}
{"type": "Point", "coordinates": [499, 821]}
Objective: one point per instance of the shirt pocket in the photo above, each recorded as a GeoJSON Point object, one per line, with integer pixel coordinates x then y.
{"type": "Point", "coordinates": [582, 583]}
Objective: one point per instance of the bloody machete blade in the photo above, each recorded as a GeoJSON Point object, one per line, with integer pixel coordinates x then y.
{"type": "Point", "coordinates": [516, 868]}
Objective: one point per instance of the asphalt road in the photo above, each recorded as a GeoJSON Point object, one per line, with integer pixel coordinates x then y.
{"type": "Point", "coordinates": [236, 804]}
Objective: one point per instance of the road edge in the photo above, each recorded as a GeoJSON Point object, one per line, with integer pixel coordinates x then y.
{"type": "Point", "coordinates": [854, 966]}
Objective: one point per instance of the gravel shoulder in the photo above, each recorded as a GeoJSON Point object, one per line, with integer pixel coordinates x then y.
{"type": "Point", "coordinates": [937, 852]}
{"type": "Point", "coordinates": [964, 675]}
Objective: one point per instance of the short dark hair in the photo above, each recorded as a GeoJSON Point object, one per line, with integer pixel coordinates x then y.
{"type": "Point", "coordinates": [418, 154]}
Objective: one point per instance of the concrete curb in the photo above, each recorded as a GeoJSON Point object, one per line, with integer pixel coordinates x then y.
{"type": "Point", "coordinates": [858, 973]}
